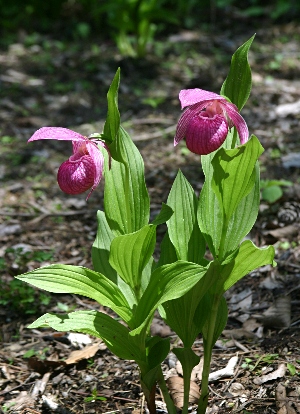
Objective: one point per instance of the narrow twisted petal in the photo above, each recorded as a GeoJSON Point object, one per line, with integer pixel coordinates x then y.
{"type": "Point", "coordinates": [205, 135]}
{"type": "Point", "coordinates": [189, 97]}
{"type": "Point", "coordinates": [63, 134]}
{"type": "Point", "coordinates": [238, 121]}
{"type": "Point", "coordinates": [75, 176]}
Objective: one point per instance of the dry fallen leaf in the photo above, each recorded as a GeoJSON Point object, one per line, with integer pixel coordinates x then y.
{"type": "Point", "coordinates": [87, 352]}
{"type": "Point", "coordinates": [175, 385]}
{"type": "Point", "coordinates": [286, 232]}
{"type": "Point", "coordinates": [279, 373]}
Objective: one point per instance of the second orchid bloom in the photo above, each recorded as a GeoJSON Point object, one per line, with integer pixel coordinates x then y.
{"type": "Point", "coordinates": [206, 121]}
{"type": "Point", "coordinates": [83, 170]}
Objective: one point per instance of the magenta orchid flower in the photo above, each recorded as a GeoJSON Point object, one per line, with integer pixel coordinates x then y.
{"type": "Point", "coordinates": [205, 122]}
{"type": "Point", "coordinates": [84, 169]}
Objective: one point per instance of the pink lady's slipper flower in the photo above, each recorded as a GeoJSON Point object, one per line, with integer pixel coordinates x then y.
{"type": "Point", "coordinates": [205, 122]}
{"type": "Point", "coordinates": [83, 170]}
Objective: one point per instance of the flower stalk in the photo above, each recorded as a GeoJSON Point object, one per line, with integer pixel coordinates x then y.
{"type": "Point", "coordinates": [208, 344]}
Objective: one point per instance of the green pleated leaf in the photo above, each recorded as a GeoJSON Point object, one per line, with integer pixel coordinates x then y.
{"type": "Point", "coordinates": [81, 281]}
{"type": "Point", "coordinates": [164, 215]}
{"type": "Point", "coordinates": [126, 199]}
{"type": "Point", "coordinates": [157, 349]}
{"type": "Point", "coordinates": [115, 335]}
{"type": "Point", "coordinates": [101, 248]}
{"type": "Point", "coordinates": [100, 256]}
{"type": "Point", "coordinates": [167, 252]}
{"type": "Point", "coordinates": [183, 314]}
{"type": "Point", "coordinates": [167, 282]}
{"type": "Point", "coordinates": [249, 258]}
{"type": "Point", "coordinates": [130, 254]}
{"type": "Point", "coordinates": [244, 217]}
{"type": "Point", "coordinates": [237, 85]}
{"type": "Point", "coordinates": [221, 321]}
{"type": "Point", "coordinates": [233, 222]}
{"type": "Point", "coordinates": [112, 123]}
{"type": "Point", "coordinates": [183, 229]}
{"type": "Point", "coordinates": [187, 358]}
{"type": "Point", "coordinates": [234, 174]}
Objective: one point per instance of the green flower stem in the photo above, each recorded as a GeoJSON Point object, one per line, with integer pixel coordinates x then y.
{"type": "Point", "coordinates": [208, 345]}
{"type": "Point", "coordinates": [186, 390]}
{"type": "Point", "coordinates": [223, 238]}
{"type": "Point", "coordinates": [150, 397]}
{"type": "Point", "coordinates": [165, 392]}
{"type": "Point", "coordinates": [127, 194]}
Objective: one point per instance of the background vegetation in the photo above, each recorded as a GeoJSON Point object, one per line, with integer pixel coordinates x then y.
{"type": "Point", "coordinates": [132, 24]}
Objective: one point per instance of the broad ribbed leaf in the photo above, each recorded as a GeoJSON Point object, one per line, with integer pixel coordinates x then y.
{"type": "Point", "coordinates": [81, 281]}
{"type": "Point", "coordinates": [157, 351]}
{"type": "Point", "coordinates": [234, 174]}
{"type": "Point", "coordinates": [167, 282]}
{"type": "Point", "coordinates": [130, 254]}
{"type": "Point", "coordinates": [237, 85]}
{"type": "Point", "coordinates": [126, 199]}
{"type": "Point", "coordinates": [183, 228]}
{"type": "Point", "coordinates": [188, 360]}
{"type": "Point", "coordinates": [100, 256]}
{"type": "Point", "coordinates": [112, 123]}
{"type": "Point", "coordinates": [167, 252]}
{"type": "Point", "coordinates": [164, 215]}
{"type": "Point", "coordinates": [242, 219]}
{"type": "Point", "coordinates": [183, 314]}
{"type": "Point", "coordinates": [115, 335]}
{"type": "Point", "coordinates": [249, 258]}
{"type": "Point", "coordinates": [220, 324]}
{"type": "Point", "coordinates": [101, 248]}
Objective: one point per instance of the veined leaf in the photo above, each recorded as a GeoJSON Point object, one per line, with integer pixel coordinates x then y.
{"type": "Point", "coordinates": [164, 215]}
{"type": "Point", "coordinates": [249, 258]}
{"type": "Point", "coordinates": [241, 209]}
{"type": "Point", "coordinates": [167, 282]}
{"type": "Point", "coordinates": [112, 123]}
{"type": "Point", "coordinates": [126, 199]}
{"type": "Point", "coordinates": [220, 324]}
{"type": "Point", "coordinates": [115, 335]}
{"type": "Point", "coordinates": [234, 174]}
{"type": "Point", "coordinates": [100, 256]}
{"type": "Point", "coordinates": [237, 85]}
{"type": "Point", "coordinates": [167, 252]}
{"type": "Point", "coordinates": [130, 254]}
{"type": "Point", "coordinates": [81, 281]}
{"type": "Point", "coordinates": [183, 229]}
{"type": "Point", "coordinates": [101, 248]}
{"type": "Point", "coordinates": [183, 314]}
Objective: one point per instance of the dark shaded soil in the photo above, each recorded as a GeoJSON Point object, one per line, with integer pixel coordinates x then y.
{"type": "Point", "coordinates": [53, 83]}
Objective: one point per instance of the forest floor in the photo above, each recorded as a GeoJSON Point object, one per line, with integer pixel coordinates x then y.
{"type": "Point", "coordinates": [46, 82]}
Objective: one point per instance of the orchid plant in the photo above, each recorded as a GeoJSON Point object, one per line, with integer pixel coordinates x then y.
{"type": "Point", "coordinates": [184, 285]}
